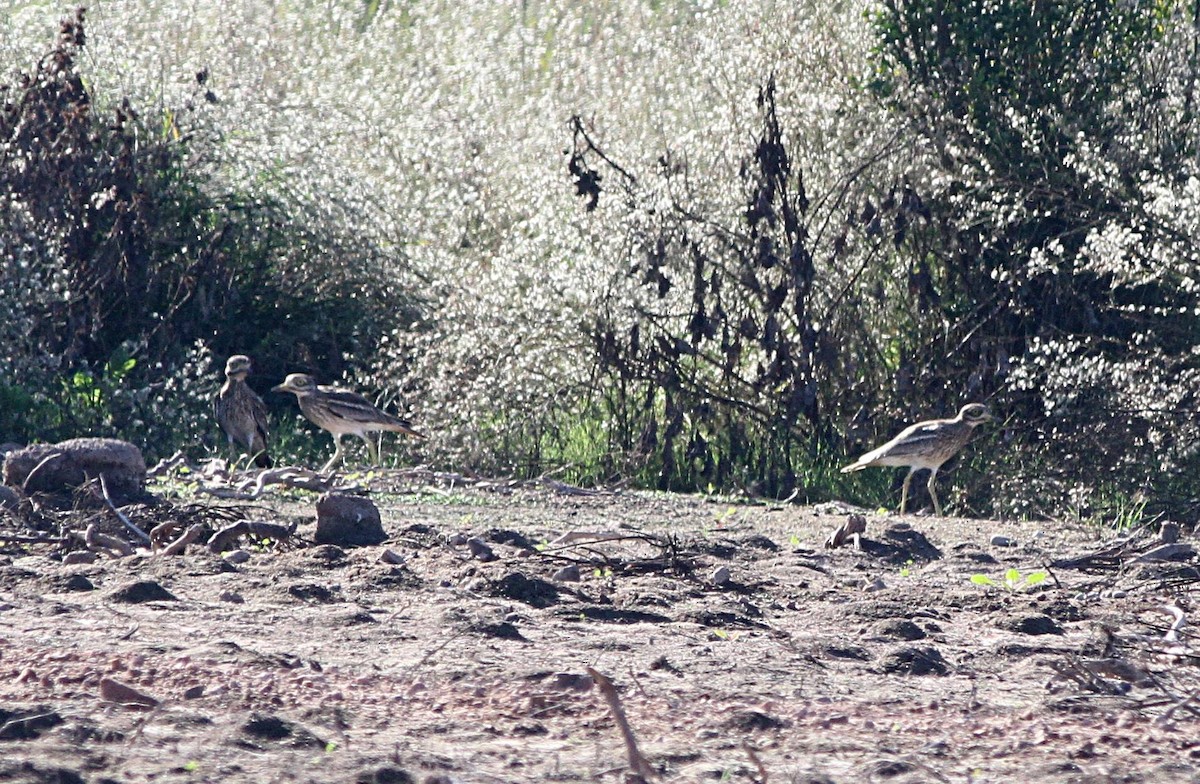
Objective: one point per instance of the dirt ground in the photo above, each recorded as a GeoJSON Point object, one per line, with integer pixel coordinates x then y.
{"type": "Point", "coordinates": [794, 663]}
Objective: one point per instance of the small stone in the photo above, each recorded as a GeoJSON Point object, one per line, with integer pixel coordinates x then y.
{"type": "Point", "coordinates": [9, 500]}
{"type": "Point", "coordinates": [567, 574]}
{"type": "Point", "coordinates": [236, 557]}
{"type": "Point", "coordinates": [481, 550]}
{"type": "Point", "coordinates": [390, 556]}
{"type": "Point", "coordinates": [194, 693]}
{"type": "Point", "coordinates": [115, 691]}
{"type": "Point", "coordinates": [1168, 533]}
{"type": "Point", "coordinates": [1000, 540]}
{"type": "Point", "coordinates": [720, 575]}
{"type": "Point", "coordinates": [570, 681]}
{"type": "Point", "coordinates": [870, 586]}
{"type": "Point", "coordinates": [80, 557]}
{"type": "Point", "coordinates": [233, 597]}
{"type": "Point", "coordinates": [1033, 624]}
{"type": "Point", "coordinates": [456, 540]}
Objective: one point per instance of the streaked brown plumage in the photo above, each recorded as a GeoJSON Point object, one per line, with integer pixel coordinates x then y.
{"type": "Point", "coordinates": [340, 412]}
{"type": "Point", "coordinates": [925, 445]}
{"type": "Point", "coordinates": [241, 413]}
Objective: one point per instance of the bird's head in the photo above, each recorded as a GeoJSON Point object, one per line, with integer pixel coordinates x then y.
{"type": "Point", "coordinates": [975, 414]}
{"type": "Point", "coordinates": [297, 384]}
{"type": "Point", "coordinates": [238, 366]}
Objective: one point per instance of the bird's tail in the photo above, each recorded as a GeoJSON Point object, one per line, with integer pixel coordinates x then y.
{"type": "Point", "coordinates": [401, 426]}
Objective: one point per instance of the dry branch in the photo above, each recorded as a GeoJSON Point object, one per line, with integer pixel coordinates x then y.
{"type": "Point", "coordinates": [225, 538]}
{"type": "Point", "coordinates": [637, 763]}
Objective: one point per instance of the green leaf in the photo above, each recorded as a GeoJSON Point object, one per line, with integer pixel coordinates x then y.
{"type": "Point", "coordinates": [1036, 577]}
{"type": "Point", "coordinates": [982, 579]}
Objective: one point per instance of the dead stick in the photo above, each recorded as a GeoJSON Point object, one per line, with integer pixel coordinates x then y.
{"type": "Point", "coordinates": [637, 763]}
{"type": "Point", "coordinates": [186, 538]}
{"type": "Point", "coordinates": [762, 770]}
{"type": "Point", "coordinates": [121, 515]}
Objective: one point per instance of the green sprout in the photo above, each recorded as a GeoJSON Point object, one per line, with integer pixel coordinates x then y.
{"type": "Point", "coordinates": [1013, 581]}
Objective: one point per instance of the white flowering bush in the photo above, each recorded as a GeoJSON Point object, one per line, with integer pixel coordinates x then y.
{"type": "Point", "coordinates": [689, 244]}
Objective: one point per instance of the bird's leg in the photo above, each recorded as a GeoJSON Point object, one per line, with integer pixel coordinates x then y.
{"type": "Point", "coordinates": [937, 508]}
{"type": "Point", "coordinates": [904, 492]}
{"type": "Point", "coordinates": [337, 452]}
{"type": "Point", "coordinates": [372, 449]}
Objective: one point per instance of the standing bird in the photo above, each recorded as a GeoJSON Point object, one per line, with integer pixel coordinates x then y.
{"type": "Point", "coordinates": [241, 413]}
{"type": "Point", "coordinates": [925, 445]}
{"type": "Point", "coordinates": [340, 412]}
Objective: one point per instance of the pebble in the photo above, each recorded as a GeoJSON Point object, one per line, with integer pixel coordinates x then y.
{"type": "Point", "coordinates": [480, 549]}
{"type": "Point", "coordinates": [567, 574]}
{"type": "Point", "coordinates": [1000, 540]}
{"type": "Point", "coordinates": [80, 557]}
{"type": "Point", "coordinates": [390, 556]}
{"type": "Point", "coordinates": [456, 540]}
{"type": "Point", "coordinates": [236, 557]}
{"type": "Point", "coordinates": [720, 575]}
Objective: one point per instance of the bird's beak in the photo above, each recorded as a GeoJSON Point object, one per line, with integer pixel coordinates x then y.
{"type": "Point", "coordinates": [280, 387]}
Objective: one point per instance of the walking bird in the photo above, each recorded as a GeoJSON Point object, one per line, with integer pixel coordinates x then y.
{"type": "Point", "coordinates": [340, 412]}
{"type": "Point", "coordinates": [925, 445]}
{"type": "Point", "coordinates": [241, 413]}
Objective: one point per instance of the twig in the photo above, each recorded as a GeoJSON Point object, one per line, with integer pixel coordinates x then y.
{"type": "Point", "coordinates": [121, 515]}
{"type": "Point", "coordinates": [637, 763]}
{"type": "Point", "coordinates": [44, 462]}
{"type": "Point", "coordinates": [762, 771]}
{"type": "Point", "coordinates": [97, 541]}
{"type": "Point", "coordinates": [187, 537]}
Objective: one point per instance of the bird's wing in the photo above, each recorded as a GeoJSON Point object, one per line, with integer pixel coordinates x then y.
{"type": "Point", "coordinates": [913, 440]}
{"type": "Point", "coordinates": [258, 409]}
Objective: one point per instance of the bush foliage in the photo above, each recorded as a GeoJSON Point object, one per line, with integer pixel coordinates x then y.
{"type": "Point", "coordinates": [688, 245]}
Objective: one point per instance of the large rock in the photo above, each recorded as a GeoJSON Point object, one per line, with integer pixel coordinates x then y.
{"type": "Point", "coordinates": [348, 521]}
{"type": "Point", "coordinates": [62, 467]}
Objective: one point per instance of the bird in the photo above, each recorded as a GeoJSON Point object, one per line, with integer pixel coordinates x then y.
{"type": "Point", "coordinates": [241, 413]}
{"type": "Point", "coordinates": [925, 445]}
{"type": "Point", "coordinates": [341, 411]}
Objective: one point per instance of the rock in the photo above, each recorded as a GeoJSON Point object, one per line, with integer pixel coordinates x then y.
{"type": "Point", "coordinates": [480, 549]}
{"type": "Point", "coordinates": [388, 774]}
{"type": "Point", "coordinates": [236, 557]}
{"type": "Point", "coordinates": [899, 629]}
{"type": "Point", "coordinates": [268, 727]}
{"type": "Point", "coordinates": [1000, 540]}
{"type": "Point", "coordinates": [567, 574]}
{"type": "Point", "coordinates": [720, 576]}
{"type": "Point", "coordinates": [530, 590]}
{"type": "Point", "coordinates": [10, 501]}
{"type": "Point", "coordinates": [142, 591]}
{"type": "Point", "coordinates": [115, 691]}
{"type": "Point", "coordinates": [571, 681]}
{"type": "Point", "coordinates": [913, 660]}
{"type": "Point", "coordinates": [1035, 623]}
{"type": "Point", "coordinates": [456, 539]}
{"type": "Point", "coordinates": [80, 557]}
{"type": "Point", "coordinates": [348, 521]}
{"type": "Point", "coordinates": [746, 721]}
{"type": "Point", "coordinates": [62, 467]}
{"type": "Point", "coordinates": [1168, 533]}
{"type": "Point", "coordinates": [390, 556]}
{"type": "Point", "coordinates": [27, 723]}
